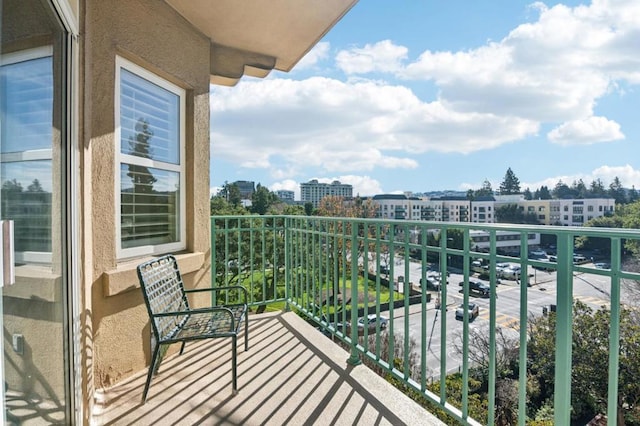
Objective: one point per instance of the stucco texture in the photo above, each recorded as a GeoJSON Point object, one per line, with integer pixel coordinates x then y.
{"type": "Point", "coordinates": [152, 35]}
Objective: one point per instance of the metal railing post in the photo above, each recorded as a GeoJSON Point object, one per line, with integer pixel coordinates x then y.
{"type": "Point", "coordinates": [564, 334]}
{"type": "Point", "coordinates": [354, 358]}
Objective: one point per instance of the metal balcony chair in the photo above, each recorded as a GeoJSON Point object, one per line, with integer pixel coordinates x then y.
{"type": "Point", "coordinates": [174, 321]}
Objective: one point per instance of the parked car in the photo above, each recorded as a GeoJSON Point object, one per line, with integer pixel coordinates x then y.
{"type": "Point", "coordinates": [472, 308]}
{"type": "Point", "coordinates": [543, 268]}
{"type": "Point", "coordinates": [578, 258]}
{"type": "Point", "coordinates": [478, 287]}
{"type": "Point", "coordinates": [511, 273]}
{"type": "Point", "coordinates": [371, 320]}
{"type": "Point", "coordinates": [602, 265]}
{"type": "Point", "coordinates": [432, 283]}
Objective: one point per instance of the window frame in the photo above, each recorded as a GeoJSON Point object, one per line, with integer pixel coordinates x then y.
{"type": "Point", "coordinates": [120, 158]}
{"type": "Point", "coordinates": [40, 154]}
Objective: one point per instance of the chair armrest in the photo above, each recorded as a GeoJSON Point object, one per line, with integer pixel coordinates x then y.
{"type": "Point", "coordinates": [231, 287]}
{"type": "Point", "coordinates": [200, 311]}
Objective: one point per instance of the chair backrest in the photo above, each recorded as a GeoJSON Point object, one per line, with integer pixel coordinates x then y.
{"type": "Point", "coordinates": [163, 291]}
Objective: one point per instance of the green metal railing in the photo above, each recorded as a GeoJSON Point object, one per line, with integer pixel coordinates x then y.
{"type": "Point", "coordinates": [330, 270]}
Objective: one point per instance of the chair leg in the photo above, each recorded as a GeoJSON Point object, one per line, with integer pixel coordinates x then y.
{"type": "Point", "coordinates": [182, 347]}
{"type": "Point", "coordinates": [154, 359]}
{"type": "Point", "coordinates": [234, 376]}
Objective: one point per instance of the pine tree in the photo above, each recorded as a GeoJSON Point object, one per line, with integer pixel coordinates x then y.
{"type": "Point", "coordinates": [510, 184]}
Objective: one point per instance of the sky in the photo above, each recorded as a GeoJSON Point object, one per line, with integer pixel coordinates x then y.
{"type": "Point", "coordinates": [442, 95]}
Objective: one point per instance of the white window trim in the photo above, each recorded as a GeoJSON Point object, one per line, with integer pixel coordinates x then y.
{"type": "Point", "coordinates": [181, 244]}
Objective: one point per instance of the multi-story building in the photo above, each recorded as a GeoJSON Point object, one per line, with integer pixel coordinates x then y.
{"type": "Point", "coordinates": [483, 209]}
{"type": "Point", "coordinates": [577, 212]}
{"type": "Point", "coordinates": [246, 188]}
{"type": "Point", "coordinates": [285, 196]}
{"type": "Point", "coordinates": [455, 209]}
{"type": "Point", "coordinates": [314, 191]}
{"type": "Point", "coordinates": [393, 206]}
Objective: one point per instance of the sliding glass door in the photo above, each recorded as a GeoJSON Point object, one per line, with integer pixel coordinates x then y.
{"type": "Point", "coordinates": [33, 105]}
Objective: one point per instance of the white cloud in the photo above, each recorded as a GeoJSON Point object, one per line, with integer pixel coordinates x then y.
{"type": "Point", "coordinates": [287, 185]}
{"type": "Point", "coordinates": [627, 174]}
{"type": "Point", "coordinates": [286, 126]}
{"type": "Point", "coordinates": [550, 70]}
{"type": "Point", "coordinates": [584, 132]}
{"type": "Point", "coordinates": [383, 56]}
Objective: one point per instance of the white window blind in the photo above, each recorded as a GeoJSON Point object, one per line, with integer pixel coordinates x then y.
{"type": "Point", "coordinates": [151, 172]}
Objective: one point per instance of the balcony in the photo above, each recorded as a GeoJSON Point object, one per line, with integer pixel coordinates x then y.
{"type": "Point", "coordinates": [311, 278]}
{"type": "Point", "coordinates": [291, 374]}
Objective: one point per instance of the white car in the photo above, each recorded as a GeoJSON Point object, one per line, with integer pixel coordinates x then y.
{"type": "Point", "coordinates": [511, 273]}
{"type": "Point", "coordinates": [371, 320]}
{"type": "Point", "coordinates": [472, 308]}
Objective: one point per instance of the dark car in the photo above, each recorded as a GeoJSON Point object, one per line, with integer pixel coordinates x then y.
{"type": "Point", "coordinates": [478, 287]}
{"type": "Point", "coordinates": [432, 284]}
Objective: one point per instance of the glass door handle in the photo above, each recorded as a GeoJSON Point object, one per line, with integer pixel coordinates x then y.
{"type": "Point", "coordinates": [7, 266]}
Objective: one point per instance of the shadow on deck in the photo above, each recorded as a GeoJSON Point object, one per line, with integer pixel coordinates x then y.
{"type": "Point", "coordinates": [292, 374]}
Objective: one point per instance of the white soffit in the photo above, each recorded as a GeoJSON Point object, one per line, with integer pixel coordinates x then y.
{"type": "Point", "coordinates": [284, 30]}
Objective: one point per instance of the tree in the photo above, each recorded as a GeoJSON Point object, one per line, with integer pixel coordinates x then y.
{"type": "Point", "coordinates": [579, 189]}
{"type": "Point", "coordinates": [597, 188]}
{"type": "Point", "coordinates": [308, 208]}
{"type": "Point", "coordinates": [512, 213]}
{"type": "Point", "coordinates": [632, 197]}
{"type": "Point", "coordinates": [35, 186]}
{"type": "Point", "coordinates": [140, 146]}
{"type": "Point", "coordinates": [616, 191]}
{"type": "Point", "coordinates": [590, 358]}
{"type": "Point", "coordinates": [542, 193]}
{"type": "Point", "coordinates": [219, 206]}
{"type": "Point", "coordinates": [470, 194]}
{"type": "Point", "coordinates": [261, 200]}
{"type": "Point", "coordinates": [527, 194]}
{"type": "Point", "coordinates": [562, 190]}
{"type": "Point", "coordinates": [510, 183]}
{"type": "Point", "coordinates": [485, 191]}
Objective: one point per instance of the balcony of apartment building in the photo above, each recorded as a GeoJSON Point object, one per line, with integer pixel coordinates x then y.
{"type": "Point", "coordinates": [313, 359]}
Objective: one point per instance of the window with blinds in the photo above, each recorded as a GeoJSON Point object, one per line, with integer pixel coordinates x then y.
{"type": "Point", "coordinates": [149, 116]}
{"type": "Point", "coordinates": [26, 132]}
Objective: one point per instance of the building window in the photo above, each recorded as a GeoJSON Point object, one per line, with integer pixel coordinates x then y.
{"type": "Point", "coordinates": [150, 159]}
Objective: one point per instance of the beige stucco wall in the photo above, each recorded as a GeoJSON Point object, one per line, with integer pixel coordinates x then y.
{"type": "Point", "coordinates": [150, 34]}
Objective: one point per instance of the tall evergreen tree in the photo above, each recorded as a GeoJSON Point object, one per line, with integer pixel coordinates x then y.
{"type": "Point", "coordinates": [562, 190]}
{"type": "Point", "coordinates": [597, 188]}
{"type": "Point", "coordinates": [579, 189]}
{"type": "Point", "coordinates": [527, 194]}
{"type": "Point", "coordinates": [616, 191]}
{"type": "Point", "coordinates": [485, 191]}
{"type": "Point", "coordinates": [510, 184]}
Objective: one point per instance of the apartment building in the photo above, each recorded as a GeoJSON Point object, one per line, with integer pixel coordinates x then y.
{"type": "Point", "coordinates": [577, 212]}
{"type": "Point", "coordinates": [394, 206]}
{"type": "Point", "coordinates": [314, 191]}
{"type": "Point", "coordinates": [483, 209]}
{"type": "Point", "coordinates": [285, 196]}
